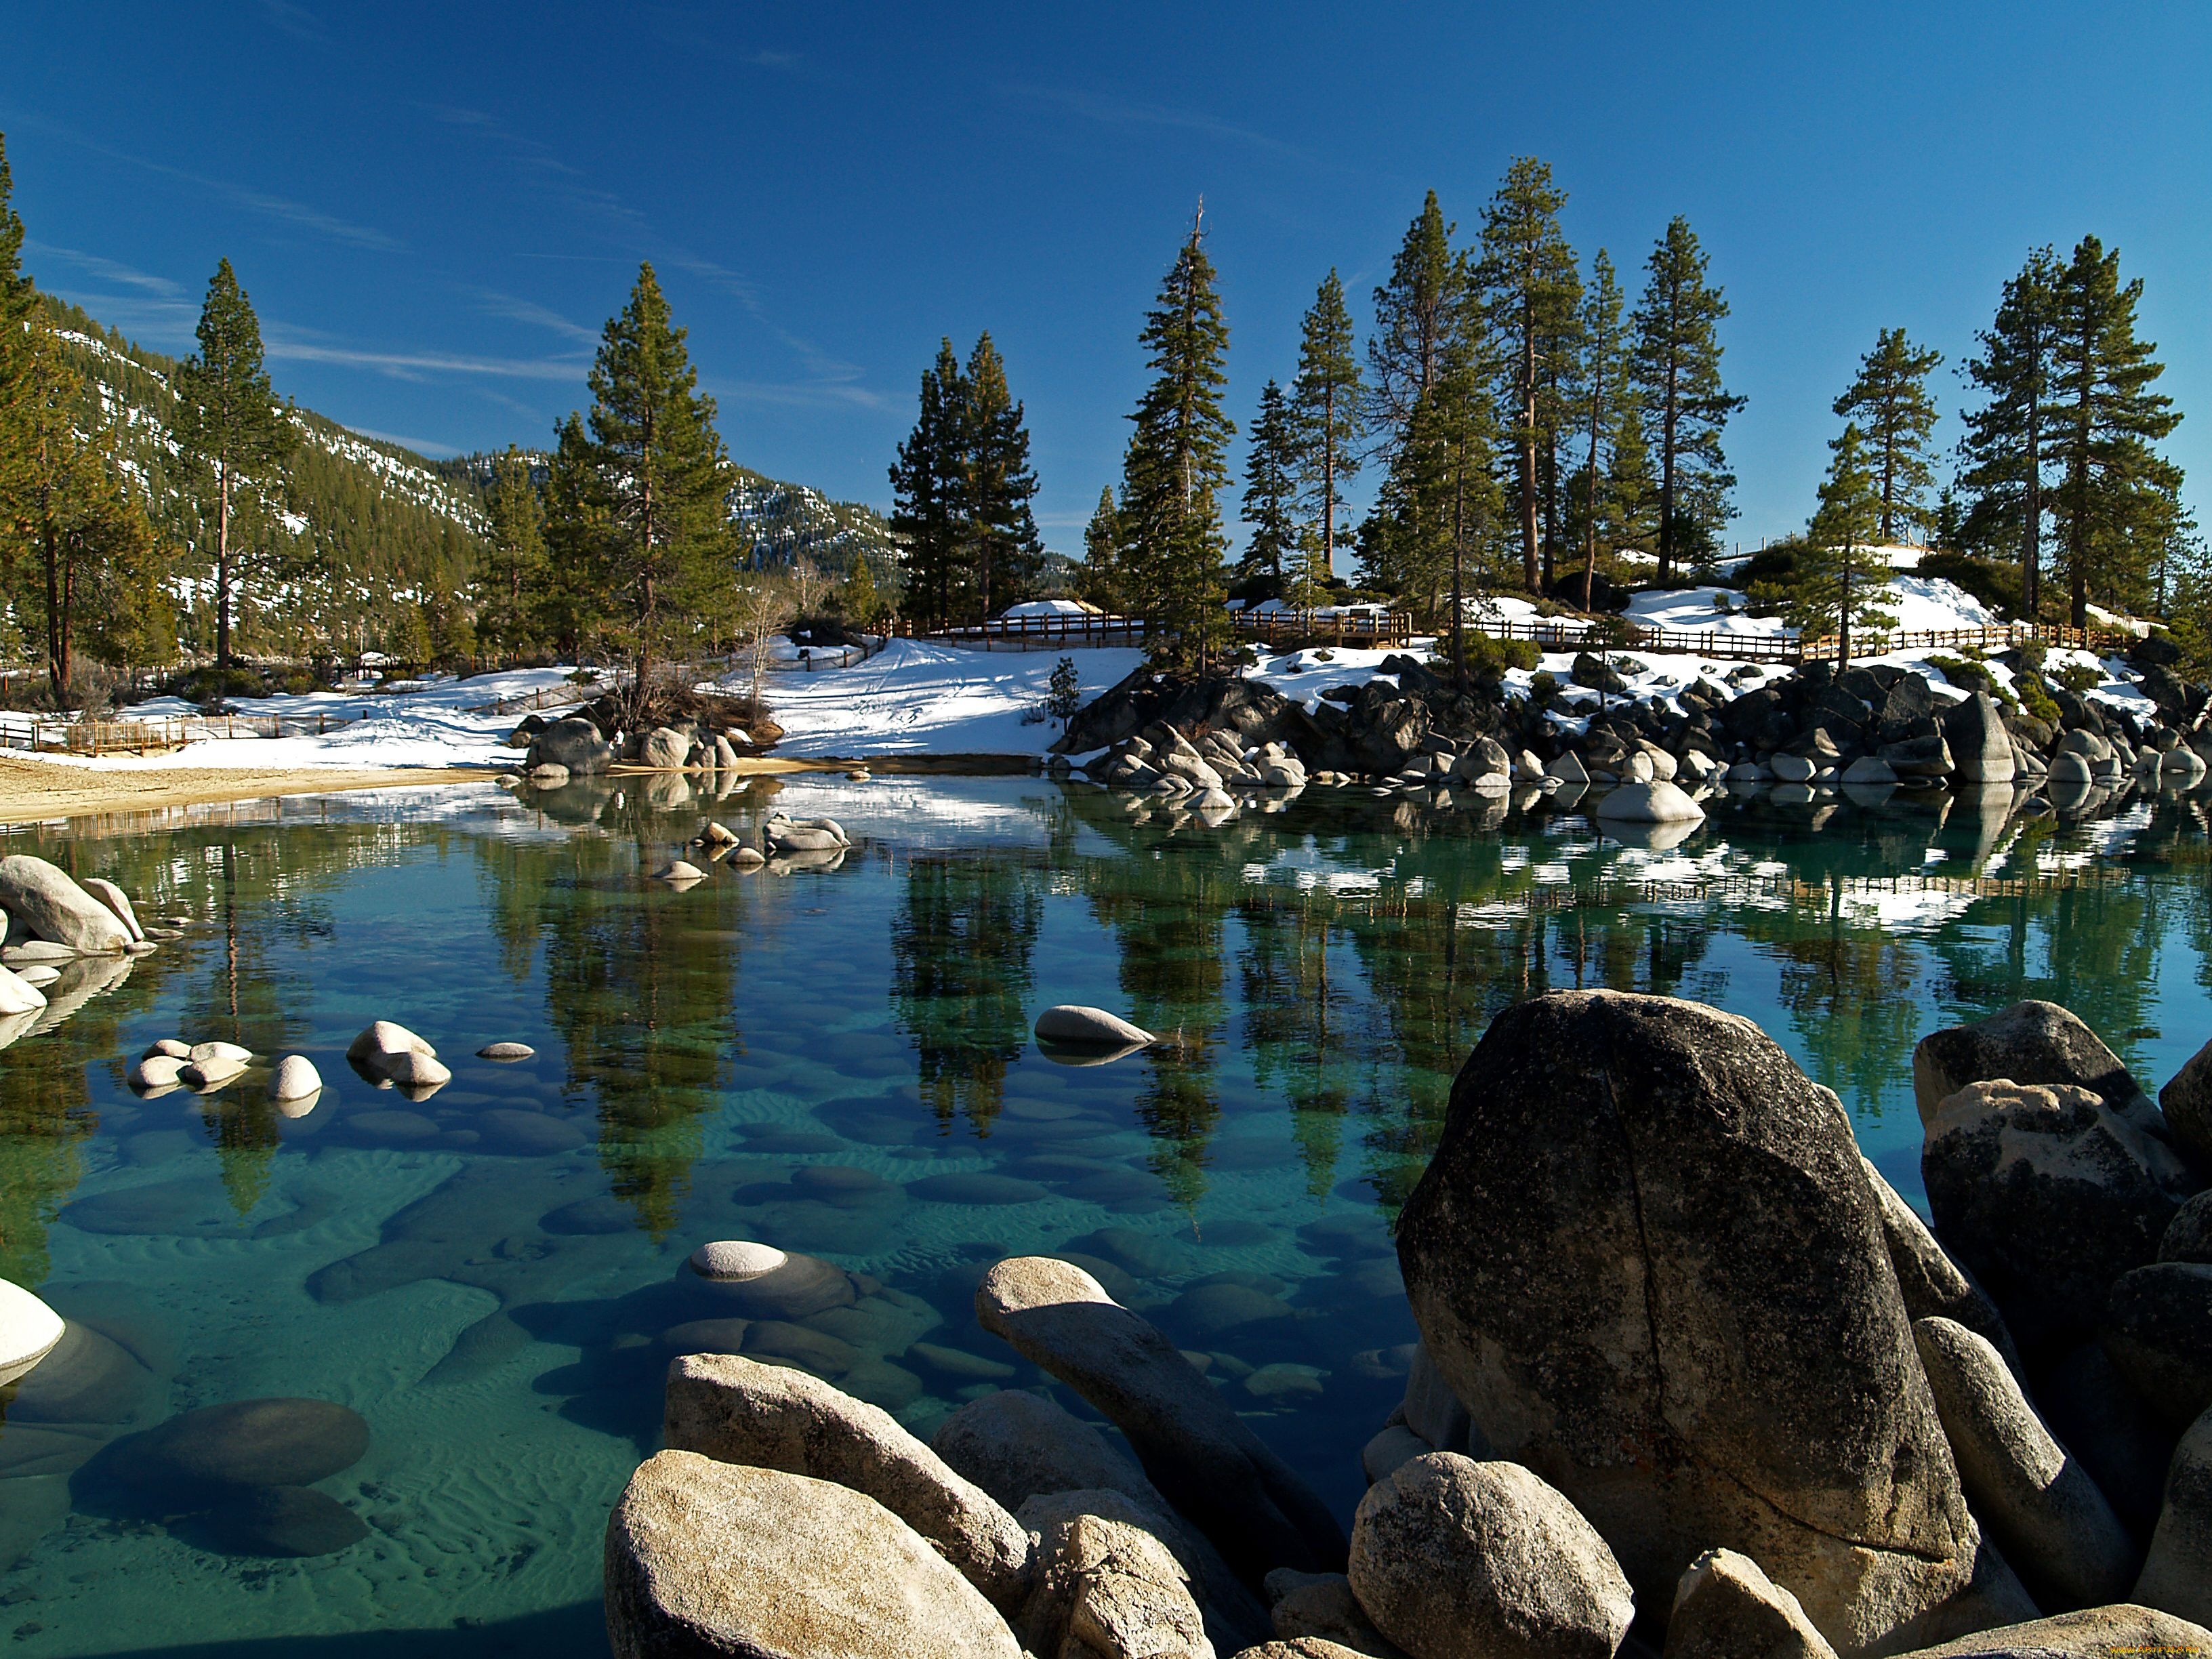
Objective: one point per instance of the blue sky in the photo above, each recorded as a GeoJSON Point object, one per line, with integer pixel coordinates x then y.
{"type": "Point", "coordinates": [434, 208]}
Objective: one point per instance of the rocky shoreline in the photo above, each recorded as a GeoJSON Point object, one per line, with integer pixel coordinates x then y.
{"type": "Point", "coordinates": [1869, 730]}
{"type": "Point", "coordinates": [1692, 1381]}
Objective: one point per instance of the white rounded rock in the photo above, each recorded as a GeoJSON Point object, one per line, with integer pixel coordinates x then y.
{"type": "Point", "coordinates": [173, 1047]}
{"type": "Point", "coordinates": [28, 1331]}
{"type": "Point", "coordinates": [506, 1051]}
{"type": "Point", "coordinates": [680, 870]}
{"type": "Point", "coordinates": [1075, 1023]}
{"type": "Point", "coordinates": [18, 995]}
{"type": "Point", "coordinates": [732, 1261]}
{"type": "Point", "coordinates": [157, 1071]}
{"type": "Point", "coordinates": [234, 1052]}
{"type": "Point", "coordinates": [387, 1037]}
{"type": "Point", "coordinates": [413, 1070]}
{"type": "Point", "coordinates": [294, 1079]}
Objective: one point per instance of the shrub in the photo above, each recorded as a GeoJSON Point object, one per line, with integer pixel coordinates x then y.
{"type": "Point", "coordinates": [1544, 690]}
{"type": "Point", "coordinates": [2036, 699]}
{"type": "Point", "coordinates": [1489, 658]}
{"type": "Point", "coordinates": [1973, 676]}
{"type": "Point", "coordinates": [2032, 655]}
{"type": "Point", "coordinates": [1996, 585]}
{"type": "Point", "coordinates": [2079, 677]}
{"type": "Point", "coordinates": [1064, 695]}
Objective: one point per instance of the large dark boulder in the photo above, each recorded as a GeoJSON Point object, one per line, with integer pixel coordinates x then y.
{"type": "Point", "coordinates": [1648, 1257]}
{"type": "Point", "coordinates": [574, 742]}
{"type": "Point", "coordinates": [2028, 1042]}
{"type": "Point", "coordinates": [2047, 1195]}
{"type": "Point", "coordinates": [2158, 1330]}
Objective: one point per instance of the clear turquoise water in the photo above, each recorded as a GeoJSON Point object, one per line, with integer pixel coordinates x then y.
{"type": "Point", "coordinates": [837, 1061]}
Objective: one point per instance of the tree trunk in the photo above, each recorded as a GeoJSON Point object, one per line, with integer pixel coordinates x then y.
{"type": "Point", "coordinates": [222, 566]}
{"type": "Point", "coordinates": [1530, 572]}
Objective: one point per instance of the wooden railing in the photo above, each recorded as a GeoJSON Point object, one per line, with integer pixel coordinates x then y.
{"type": "Point", "coordinates": [1581, 634]}
{"type": "Point", "coordinates": [1100, 627]}
{"type": "Point", "coordinates": [56, 735]}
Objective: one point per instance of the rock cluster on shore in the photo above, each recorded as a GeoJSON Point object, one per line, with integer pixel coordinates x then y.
{"type": "Point", "coordinates": [1873, 728]}
{"type": "Point", "coordinates": [1693, 1380]}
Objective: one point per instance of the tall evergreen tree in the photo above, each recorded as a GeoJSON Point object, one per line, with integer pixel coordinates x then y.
{"type": "Point", "coordinates": [656, 484]}
{"type": "Point", "coordinates": [1896, 418]}
{"type": "Point", "coordinates": [1604, 397]}
{"type": "Point", "coordinates": [1270, 486]}
{"type": "Point", "coordinates": [997, 531]}
{"type": "Point", "coordinates": [1530, 292]}
{"type": "Point", "coordinates": [19, 303]}
{"type": "Point", "coordinates": [929, 482]}
{"type": "Point", "coordinates": [1328, 423]}
{"type": "Point", "coordinates": [511, 562]}
{"type": "Point", "coordinates": [1101, 581]}
{"type": "Point", "coordinates": [2009, 441]}
{"type": "Point", "coordinates": [1175, 465]}
{"type": "Point", "coordinates": [1840, 584]}
{"type": "Point", "coordinates": [1676, 361]}
{"type": "Point", "coordinates": [1418, 313]}
{"type": "Point", "coordinates": [2113, 502]}
{"type": "Point", "coordinates": [228, 419]}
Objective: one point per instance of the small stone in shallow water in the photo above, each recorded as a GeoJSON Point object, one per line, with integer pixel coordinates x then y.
{"type": "Point", "coordinates": [706, 1336]}
{"type": "Point", "coordinates": [173, 1047]}
{"type": "Point", "coordinates": [530, 1134]}
{"type": "Point", "coordinates": [736, 1260]}
{"type": "Point", "coordinates": [976, 1189]}
{"type": "Point", "coordinates": [294, 1079]}
{"type": "Point", "coordinates": [391, 1128]}
{"type": "Point", "coordinates": [588, 1216]}
{"type": "Point", "coordinates": [1074, 1024]}
{"type": "Point", "coordinates": [157, 1071]}
{"type": "Point", "coordinates": [237, 1052]}
{"type": "Point", "coordinates": [506, 1051]}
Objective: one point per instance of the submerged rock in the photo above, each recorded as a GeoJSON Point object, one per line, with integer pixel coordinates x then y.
{"type": "Point", "coordinates": [278, 1521]}
{"type": "Point", "coordinates": [707, 1558]}
{"type": "Point", "coordinates": [1197, 1450]}
{"type": "Point", "coordinates": [246, 1443]}
{"type": "Point", "coordinates": [1647, 1256]}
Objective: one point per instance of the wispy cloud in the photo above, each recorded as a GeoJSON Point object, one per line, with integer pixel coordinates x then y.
{"type": "Point", "coordinates": [430, 446]}
{"type": "Point", "coordinates": [295, 20]}
{"type": "Point", "coordinates": [282, 210]}
{"type": "Point", "coordinates": [1121, 112]}
{"type": "Point", "coordinates": [518, 310]}
{"type": "Point", "coordinates": [797, 394]}
{"type": "Point", "coordinates": [776, 60]}
{"type": "Point", "coordinates": [419, 365]}
{"type": "Point", "coordinates": [98, 265]}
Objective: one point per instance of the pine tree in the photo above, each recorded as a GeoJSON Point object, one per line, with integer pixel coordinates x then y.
{"type": "Point", "coordinates": [1328, 427]}
{"type": "Point", "coordinates": [226, 419]}
{"type": "Point", "coordinates": [576, 531]}
{"type": "Point", "coordinates": [2112, 502]}
{"type": "Point", "coordinates": [510, 569]}
{"type": "Point", "coordinates": [1630, 496]}
{"type": "Point", "coordinates": [998, 532]}
{"type": "Point", "coordinates": [927, 481]}
{"type": "Point", "coordinates": [859, 599]}
{"type": "Point", "coordinates": [1889, 400]}
{"type": "Point", "coordinates": [1176, 466]}
{"type": "Point", "coordinates": [1418, 314]}
{"type": "Point", "coordinates": [92, 546]}
{"type": "Point", "coordinates": [19, 303]}
{"type": "Point", "coordinates": [2009, 440]}
{"type": "Point", "coordinates": [660, 481]}
{"type": "Point", "coordinates": [1100, 581]}
{"type": "Point", "coordinates": [1529, 291]}
{"type": "Point", "coordinates": [1270, 466]}
{"type": "Point", "coordinates": [1841, 583]}
{"type": "Point", "coordinates": [1676, 362]}
{"type": "Point", "coordinates": [1604, 397]}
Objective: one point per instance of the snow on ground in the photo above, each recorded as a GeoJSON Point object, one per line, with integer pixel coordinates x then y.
{"type": "Point", "coordinates": [429, 728]}
{"type": "Point", "coordinates": [1302, 675]}
{"type": "Point", "coordinates": [1698, 610]}
{"type": "Point", "coordinates": [1050, 608]}
{"type": "Point", "coordinates": [917, 697]}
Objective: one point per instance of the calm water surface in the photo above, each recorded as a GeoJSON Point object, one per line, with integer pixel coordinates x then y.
{"type": "Point", "coordinates": [837, 1061]}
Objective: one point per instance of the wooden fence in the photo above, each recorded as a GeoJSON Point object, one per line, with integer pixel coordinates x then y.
{"type": "Point", "coordinates": [1275, 628]}
{"type": "Point", "coordinates": [55, 735]}
{"type": "Point", "coordinates": [1579, 633]}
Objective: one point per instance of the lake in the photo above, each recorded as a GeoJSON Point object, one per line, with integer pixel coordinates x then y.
{"type": "Point", "coordinates": [837, 1061]}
